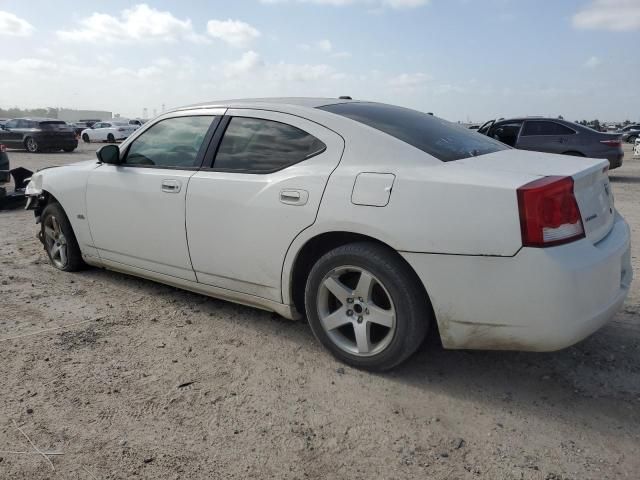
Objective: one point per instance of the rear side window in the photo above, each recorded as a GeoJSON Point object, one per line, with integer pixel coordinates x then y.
{"type": "Point", "coordinates": [253, 145]}
{"type": "Point", "coordinates": [53, 125]}
{"type": "Point", "coordinates": [537, 127]}
{"type": "Point", "coordinates": [172, 143]}
{"type": "Point", "coordinates": [439, 138]}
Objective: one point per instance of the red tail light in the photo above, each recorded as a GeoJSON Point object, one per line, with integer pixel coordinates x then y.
{"type": "Point", "coordinates": [3, 148]}
{"type": "Point", "coordinates": [612, 143]}
{"type": "Point", "coordinates": [549, 213]}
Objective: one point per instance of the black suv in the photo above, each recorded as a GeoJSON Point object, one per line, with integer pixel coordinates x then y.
{"type": "Point", "coordinates": [38, 134]}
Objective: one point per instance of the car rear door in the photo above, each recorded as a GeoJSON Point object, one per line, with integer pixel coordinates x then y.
{"type": "Point", "coordinates": [263, 188]}
{"type": "Point", "coordinates": [546, 136]}
{"type": "Point", "coordinates": [136, 210]}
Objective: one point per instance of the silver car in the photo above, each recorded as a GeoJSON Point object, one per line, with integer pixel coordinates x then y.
{"type": "Point", "coordinates": [556, 136]}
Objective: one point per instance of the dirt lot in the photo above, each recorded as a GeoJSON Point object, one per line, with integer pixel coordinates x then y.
{"type": "Point", "coordinates": [159, 383]}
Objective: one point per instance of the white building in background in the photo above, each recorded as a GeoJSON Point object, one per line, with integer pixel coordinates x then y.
{"type": "Point", "coordinates": [69, 115]}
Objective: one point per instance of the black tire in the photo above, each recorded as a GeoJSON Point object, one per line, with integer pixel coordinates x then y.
{"type": "Point", "coordinates": [574, 154]}
{"type": "Point", "coordinates": [69, 149]}
{"type": "Point", "coordinates": [31, 144]}
{"type": "Point", "coordinates": [85, 138]}
{"type": "Point", "coordinates": [413, 313]}
{"type": "Point", "coordinates": [111, 138]}
{"type": "Point", "coordinates": [73, 261]}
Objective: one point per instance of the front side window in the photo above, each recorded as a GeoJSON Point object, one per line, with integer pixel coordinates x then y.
{"type": "Point", "coordinates": [174, 142]}
{"type": "Point", "coordinates": [439, 138]}
{"type": "Point", "coordinates": [539, 127]}
{"type": "Point", "coordinates": [11, 124]}
{"type": "Point", "coordinates": [253, 145]}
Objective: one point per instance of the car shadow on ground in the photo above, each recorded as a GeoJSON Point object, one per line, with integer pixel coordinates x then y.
{"type": "Point", "coordinates": [599, 376]}
{"type": "Point", "coordinates": [624, 179]}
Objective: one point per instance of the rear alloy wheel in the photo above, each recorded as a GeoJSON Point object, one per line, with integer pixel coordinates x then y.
{"type": "Point", "coordinates": [366, 306]}
{"type": "Point", "coordinates": [32, 145]}
{"type": "Point", "coordinates": [111, 138]}
{"type": "Point", "coordinates": [59, 240]}
{"type": "Point", "coordinates": [85, 138]}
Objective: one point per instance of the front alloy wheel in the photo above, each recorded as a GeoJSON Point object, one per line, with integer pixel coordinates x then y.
{"type": "Point", "coordinates": [58, 239]}
{"type": "Point", "coordinates": [55, 242]}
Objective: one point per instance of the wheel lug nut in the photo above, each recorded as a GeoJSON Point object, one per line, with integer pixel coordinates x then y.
{"type": "Point", "coordinates": [366, 310]}
{"type": "Point", "coordinates": [360, 299]}
{"type": "Point", "coordinates": [349, 313]}
{"type": "Point", "coordinates": [350, 300]}
{"type": "Point", "coordinates": [360, 319]}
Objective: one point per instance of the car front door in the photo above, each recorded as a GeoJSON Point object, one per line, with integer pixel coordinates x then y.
{"type": "Point", "coordinates": [546, 136]}
{"type": "Point", "coordinates": [11, 136]}
{"type": "Point", "coordinates": [136, 210]}
{"type": "Point", "coordinates": [263, 188]}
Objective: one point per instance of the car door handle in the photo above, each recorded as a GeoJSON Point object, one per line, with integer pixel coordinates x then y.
{"type": "Point", "coordinates": [294, 197]}
{"type": "Point", "coordinates": [171, 186]}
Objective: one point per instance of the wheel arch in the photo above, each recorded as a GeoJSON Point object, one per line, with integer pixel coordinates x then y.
{"type": "Point", "coordinates": [295, 277]}
{"type": "Point", "coordinates": [575, 153]}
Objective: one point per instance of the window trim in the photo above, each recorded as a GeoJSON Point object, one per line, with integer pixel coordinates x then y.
{"type": "Point", "coordinates": [223, 129]}
{"type": "Point", "coordinates": [548, 120]}
{"type": "Point", "coordinates": [204, 147]}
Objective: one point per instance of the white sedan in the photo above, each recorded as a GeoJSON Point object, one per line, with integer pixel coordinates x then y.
{"type": "Point", "coordinates": [375, 222]}
{"type": "Point", "coordinates": [111, 132]}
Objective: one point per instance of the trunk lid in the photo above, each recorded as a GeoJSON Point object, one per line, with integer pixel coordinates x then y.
{"type": "Point", "coordinates": [590, 176]}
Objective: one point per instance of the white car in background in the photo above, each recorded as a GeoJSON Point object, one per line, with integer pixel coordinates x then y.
{"type": "Point", "coordinates": [110, 131]}
{"type": "Point", "coordinates": [376, 222]}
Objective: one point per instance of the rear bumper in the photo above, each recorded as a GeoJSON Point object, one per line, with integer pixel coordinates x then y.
{"type": "Point", "coordinates": [615, 160]}
{"type": "Point", "coordinates": [542, 299]}
{"type": "Point", "coordinates": [63, 142]}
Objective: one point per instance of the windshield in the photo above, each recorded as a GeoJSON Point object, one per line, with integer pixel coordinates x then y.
{"type": "Point", "coordinates": [444, 140]}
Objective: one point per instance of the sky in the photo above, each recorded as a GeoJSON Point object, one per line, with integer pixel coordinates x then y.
{"type": "Point", "coordinates": [464, 60]}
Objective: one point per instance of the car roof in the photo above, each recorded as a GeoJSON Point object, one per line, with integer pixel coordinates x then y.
{"type": "Point", "coordinates": [274, 102]}
{"type": "Point", "coordinates": [39, 119]}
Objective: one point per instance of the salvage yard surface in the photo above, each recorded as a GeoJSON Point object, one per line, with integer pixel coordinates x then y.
{"type": "Point", "coordinates": [126, 378]}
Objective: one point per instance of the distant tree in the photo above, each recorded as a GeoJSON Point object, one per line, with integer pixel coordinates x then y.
{"type": "Point", "coordinates": [560, 117]}
{"type": "Point", "coordinates": [627, 122]}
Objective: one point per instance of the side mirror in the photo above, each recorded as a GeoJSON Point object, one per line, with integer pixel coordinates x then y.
{"type": "Point", "coordinates": [109, 154]}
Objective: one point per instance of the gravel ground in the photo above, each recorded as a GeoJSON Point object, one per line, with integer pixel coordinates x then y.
{"type": "Point", "coordinates": [164, 384]}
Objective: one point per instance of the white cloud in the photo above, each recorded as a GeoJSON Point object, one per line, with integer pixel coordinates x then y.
{"type": "Point", "coordinates": [250, 61]}
{"type": "Point", "coordinates": [397, 4]}
{"type": "Point", "coordinates": [324, 46]}
{"type": "Point", "coordinates": [234, 32]}
{"type": "Point", "coordinates": [138, 24]}
{"type": "Point", "coordinates": [14, 26]}
{"type": "Point", "coordinates": [409, 80]}
{"type": "Point", "coordinates": [615, 15]}
{"type": "Point", "coordinates": [593, 62]}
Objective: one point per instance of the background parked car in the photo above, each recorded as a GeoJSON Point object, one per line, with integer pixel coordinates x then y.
{"type": "Point", "coordinates": [79, 127]}
{"type": "Point", "coordinates": [556, 136]}
{"type": "Point", "coordinates": [108, 131]}
{"type": "Point", "coordinates": [3, 121]}
{"type": "Point", "coordinates": [630, 133]}
{"type": "Point", "coordinates": [4, 165]}
{"type": "Point", "coordinates": [38, 134]}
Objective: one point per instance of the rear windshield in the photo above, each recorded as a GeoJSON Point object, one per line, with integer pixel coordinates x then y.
{"type": "Point", "coordinates": [53, 125]}
{"type": "Point", "coordinates": [443, 140]}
